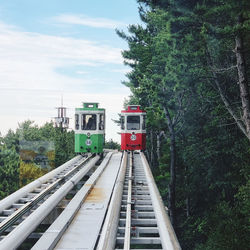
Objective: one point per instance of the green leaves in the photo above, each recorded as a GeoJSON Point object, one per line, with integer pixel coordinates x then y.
{"type": "Point", "coordinates": [183, 62]}
{"type": "Point", "coordinates": [15, 173]}
{"type": "Point", "coordinates": [9, 171]}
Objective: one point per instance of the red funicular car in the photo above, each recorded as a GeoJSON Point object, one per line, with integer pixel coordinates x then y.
{"type": "Point", "coordinates": [133, 128]}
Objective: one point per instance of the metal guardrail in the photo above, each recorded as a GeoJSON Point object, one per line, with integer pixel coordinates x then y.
{"type": "Point", "coordinates": [56, 230]}
{"type": "Point", "coordinates": [10, 220]}
{"type": "Point", "coordinates": [143, 220]}
{"type": "Point", "coordinates": [129, 201]}
{"type": "Point", "coordinates": [108, 234]}
{"type": "Point", "coordinates": [168, 238]}
{"type": "Point", "coordinates": [23, 230]}
{"type": "Point", "coordinates": [11, 199]}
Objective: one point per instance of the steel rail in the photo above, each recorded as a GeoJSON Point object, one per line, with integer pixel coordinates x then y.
{"type": "Point", "coordinates": [167, 235]}
{"type": "Point", "coordinates": [11, 199]}
{"type": "Point", "coordinates": [107, 239]}
{"type": "Point", "coordinates": [53, 234]}
{"type": "Point", "coordinates": [10, 220]}
{"type": "Point", "coordinates": [128, 212]}
{"type": "Point", "coordinates": [23, 230]}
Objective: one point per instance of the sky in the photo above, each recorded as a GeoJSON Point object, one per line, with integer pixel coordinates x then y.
{"type": "Point", "coordinates": [55, 48]}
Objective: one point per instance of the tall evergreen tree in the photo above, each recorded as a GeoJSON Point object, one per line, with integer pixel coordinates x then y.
{"type": "Point", "coordinates": [185, 70]}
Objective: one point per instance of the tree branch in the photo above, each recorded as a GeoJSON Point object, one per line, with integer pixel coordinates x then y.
{"type": "Point", "coordinates": [224, 69]}
{"type": "Point", "coordinates": [238, 121]}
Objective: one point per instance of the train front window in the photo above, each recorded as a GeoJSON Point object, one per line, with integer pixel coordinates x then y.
{"type": "Point", "coordinates": [76, 121]}
{"type": "Point", "coordinates": [88, 122]}
{"type": "Point", "coordinates": [133, 122]}
{"type": "Point", "coordinates": [101, 123]}
{"type": "Point", "coordinates": [122, 122]}
{"type": "Point", "coordinates": [143, 122]}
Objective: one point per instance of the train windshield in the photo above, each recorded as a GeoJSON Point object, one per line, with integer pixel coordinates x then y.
{"type": "Point", "coordinates": [133, 122]}
{"type": "Point", "coordinates": [143, 122]}
{"type": "Point", "coordinates": [76, 121]}
{"type": "Point", "coordinates": [101, 122]}
{"type": "Point", "coordinates": [88, 122]}
{"type": "Point", "coordinates": [122, 122]}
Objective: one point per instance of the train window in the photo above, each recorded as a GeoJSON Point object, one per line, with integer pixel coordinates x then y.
{"type": "Point", "coordinates": [143, 122]}
{"type": "Point", "coordinates": [88, 122]}
{"type": "Point", "coordinates": [101, 123]}
{"type": "Point", "coordinates": [122, 122]}
{"type": "Point", "coordinates": [83, 122]}
{"type": "Point", "coordinates": [76, 121]}
{"type": "Point", "coordinates": [133, 107]}
{"type": "Point", "coordinates": [133, 122]}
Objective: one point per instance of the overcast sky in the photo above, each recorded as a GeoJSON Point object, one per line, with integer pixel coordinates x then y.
{"type": "Point", "coordinates": [51, 48]}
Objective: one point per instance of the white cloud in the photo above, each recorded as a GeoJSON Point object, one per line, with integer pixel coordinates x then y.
{"type": "Point", "coordinates": [87, 21]}
{"type": "Point", "coordinates": [30, 59]}
{"type": "Point", "coordinates": [30, 86]}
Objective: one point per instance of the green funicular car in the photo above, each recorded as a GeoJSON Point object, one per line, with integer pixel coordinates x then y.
{"type": "Point", "coordinates": [89, 128]}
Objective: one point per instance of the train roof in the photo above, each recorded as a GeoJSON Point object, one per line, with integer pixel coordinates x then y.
{"type": "Point", "coordinates": [133, 109]}
{"type": "Point", "coordinates": [90, 106]}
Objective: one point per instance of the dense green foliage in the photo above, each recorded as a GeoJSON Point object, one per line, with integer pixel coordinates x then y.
{"type": "Point", "coordinates": [15, 171]}
{"type": "Point", "coordinates": [112, 145]}
{"type": "Point", "coordinates": [9, 161]}
{"type": "Point", "coordinates": [189, 73]}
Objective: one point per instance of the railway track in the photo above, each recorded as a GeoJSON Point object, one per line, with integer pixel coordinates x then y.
{"type": "Point", "coordinates": [140, 220]}
{"type": "Point", "coordinates": [28, 202]}
{"type": "Point", "coordinates": [117, 207]}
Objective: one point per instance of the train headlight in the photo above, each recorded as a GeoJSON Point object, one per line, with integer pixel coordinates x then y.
{"type": "Point", "coordinates": [133, 137]}
{"type": "Point", "coordinates": [88, 142]}
{"type": "Point", "coordinates": [88, 134]}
